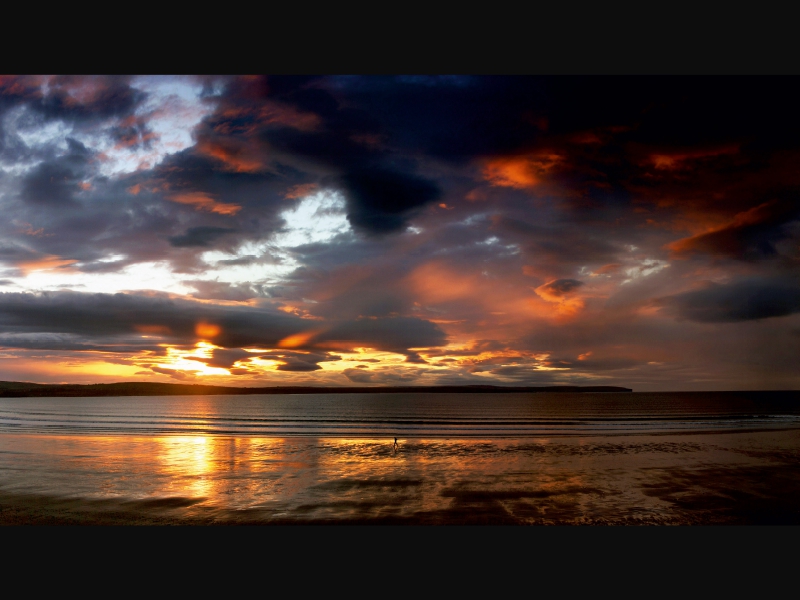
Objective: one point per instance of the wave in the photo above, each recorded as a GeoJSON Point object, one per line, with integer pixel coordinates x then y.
{"type": "Point", "coordinates": [386, 415]}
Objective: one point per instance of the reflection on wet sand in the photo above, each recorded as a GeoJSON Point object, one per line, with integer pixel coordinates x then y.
{"type": "Point", "coordinates": [697, 478]}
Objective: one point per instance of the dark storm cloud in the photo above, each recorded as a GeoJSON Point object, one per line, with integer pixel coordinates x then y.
{"type": "Point", "coordinates": [561, 287]}
{"type": "Point", "coordinates": [751, 234]}
{"type": "Point", "coordinates": [299, 361]}
{"type": "Point", "coordinates": [591, 365]}
{"type": "Point", "coordinates": [414, 357]}
{"type": "Point", "coordinates": [302, 126]}
{"type": "Point", "coordinates": [371, 137]}
{"type": "Point", "coordinates": [382, 201]}
{"type": "Point", "coordinates": [74, 342]}
{"type": "Point", "coordinates": [243, 260]}
{"type": "Point", "coordinates": [135, 216]}
{"type": "Point", "coordinates": [56, 182]}
{"type": "Point", "coordinates": [393, 333]}
{"type": "Point", "coordinates": [199, 237]}
{"type": "Point", "coordinates": [78, 101]}
{"type": "Point", "coordinates": [100, 222]}
{"type": "Point", "coordinates": [106, 317]}
{"type": "Point", "coordinates": [740, 301]}
{"type": "Point", "coordinates": [382, 376]}
{"type": "Point", "coordinates": [600, 128]}
{"type": "Point", "coordinates": [84, 99]}
{"type": "Point", "coordinates": [9, 253]}
{"type": "Point", "coordinates": [192, 170]}
{"type": "Point", "coordinates": [175, 374]}
{"type": "Point", "coordinates": [133, 132]}
{"type": "Point", "coordinates": [137, 227]}
{"type": "Point", "coordinates": [225, 358]}
{"type": "Point", "coordinates": [455, 119]}
{"type": "Point", "coordinates": [560, 247]}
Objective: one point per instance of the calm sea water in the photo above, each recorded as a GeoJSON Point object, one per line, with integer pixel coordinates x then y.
{"type": "Point", "coordinates": [672, 458]}
{"type": "Point", "coordinates": [402, 415]}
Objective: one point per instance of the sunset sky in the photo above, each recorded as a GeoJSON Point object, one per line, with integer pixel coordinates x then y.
{"type": "Point", "coordinates": [411, 230]}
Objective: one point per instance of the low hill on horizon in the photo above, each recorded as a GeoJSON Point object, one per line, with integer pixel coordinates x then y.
{"type": "Point", "coordinates": [21, 389]}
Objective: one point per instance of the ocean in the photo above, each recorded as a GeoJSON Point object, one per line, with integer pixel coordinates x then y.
{"type": "Point", "coordinates": [517, 458]}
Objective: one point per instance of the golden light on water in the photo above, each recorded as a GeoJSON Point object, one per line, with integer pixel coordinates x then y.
{"type": "Point", "coordinates": [188, 463]}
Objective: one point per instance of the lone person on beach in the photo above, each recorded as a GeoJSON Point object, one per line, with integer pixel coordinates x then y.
{"type": "Point", "coordinates": [395, 444]}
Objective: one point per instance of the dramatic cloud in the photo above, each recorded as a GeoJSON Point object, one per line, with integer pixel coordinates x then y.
{"type": "Point", "coordinates": [198, 236]}
{"type": "Point", "coordinates": [751, 234]}
{"type": "Point", "coordinates": [341, 230]}
{"type": "Point", "coordinates": [741, 301]}
{"type": "Point", "coordinates": [107, 316]}
{"type": "Point", "coordinates": [381, 200]}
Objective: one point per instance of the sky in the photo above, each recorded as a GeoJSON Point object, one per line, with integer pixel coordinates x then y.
{"type": "Point", "coordinates": [406, 230]}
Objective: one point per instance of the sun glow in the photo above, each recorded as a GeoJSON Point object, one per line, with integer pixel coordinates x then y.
{"type": "Point", "coordinates": [207, 330]}
{"type": "Point", "coordinates": [363, 356]}
{"type": "Point", "coordinates": [193, 361]}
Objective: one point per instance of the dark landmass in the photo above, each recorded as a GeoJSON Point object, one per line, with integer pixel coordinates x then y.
{"type": "Point", "coordinates": [19, 389]}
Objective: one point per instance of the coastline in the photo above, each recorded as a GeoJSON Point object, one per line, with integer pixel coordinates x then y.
{"type": "Point", "coordinates": [16, 389]}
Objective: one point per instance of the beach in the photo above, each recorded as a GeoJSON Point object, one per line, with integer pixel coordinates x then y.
{"type": "Point", "coordinates": [706, 478]}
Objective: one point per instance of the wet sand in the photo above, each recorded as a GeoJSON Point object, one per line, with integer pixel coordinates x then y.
{"type": "Point", "coordinates": [698, 478]}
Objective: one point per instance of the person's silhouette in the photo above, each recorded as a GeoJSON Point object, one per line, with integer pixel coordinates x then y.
{"type": "Point", "coordinates": [395, 444]}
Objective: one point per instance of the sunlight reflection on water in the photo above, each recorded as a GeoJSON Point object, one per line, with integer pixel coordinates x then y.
{"type": "Point", "coordinates": [155, 457]}
{"type": "Point", "coordinates": [254, 479]}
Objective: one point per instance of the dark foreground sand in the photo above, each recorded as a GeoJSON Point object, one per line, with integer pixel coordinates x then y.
{"type": "Point", "coordinates": [705, 478]}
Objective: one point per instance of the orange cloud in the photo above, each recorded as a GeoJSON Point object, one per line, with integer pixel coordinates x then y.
{"type": "Point", "coordinates": [245, 120]}
{"type": "Point", "coordinates": [136, 139]}
{"type": "Point", "coordinates": [46, 263]}
{"type": "Point", "coordinates": [207, 330]}
{"type": "Point", "coordinates": [296, 340]}
{"type": "Point", "coordinates": [475, 195]}
{"type": "Point", "coordinates": [27, 229]}
{"type": "Point", "coordinates": [81, 90]}
{"type": "Point", "coordinates": [562, 293]}
{"type": "Point", "coordinates": [152, 329]}
{"type": "Point", "coordinates": [519, 172]}
{"type": "Point", "coordinates": [587, 137]}
{"type": "Point", "coordinates": [433, 282]}
{"type": "Point", "coordinates": [725, 239]}
{"type": "Point", "coordinates": [677, 160]}
{"type": "Point", "coordinates": [237, 155]}
{"type": "Point", "coordinates": [537, 271]}
{"type": "Point", "coordinates": [202, 201]}
{"type": "Point", "coordinates": [21, 85]}
{"type": "Point", "coordinates": [300, 191]}
{"type": "Point", "coordinates": [606, 269]}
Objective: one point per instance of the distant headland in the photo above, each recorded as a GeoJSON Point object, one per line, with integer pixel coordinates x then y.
{"type": "Point", "coordinates": [19, 389]}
